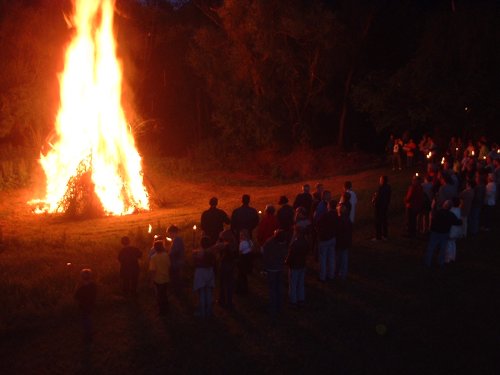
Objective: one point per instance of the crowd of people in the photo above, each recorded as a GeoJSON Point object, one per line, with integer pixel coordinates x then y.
{"type": "Point", "coordinates": [454, 199]}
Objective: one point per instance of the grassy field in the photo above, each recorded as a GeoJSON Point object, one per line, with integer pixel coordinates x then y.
{"type": "Point", "coordinates": [391, 316]}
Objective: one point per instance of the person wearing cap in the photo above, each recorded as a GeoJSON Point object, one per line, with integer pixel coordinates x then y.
{"type": "Point", "coordinates": [159, 270]}
{"type": "Point", "coordinates": [274, 253]}
{"type": "Point", "coordinates": [244, 217]}
{"type": "Point", "coordinates": [129, 266]}
{"type": "Point", "coordinates": [176, 255]}
{"type": "Point", "coordinates": [213, 220]}
{"type": "Point", "coordinates": [85, 295]}
{"type": "Point", "coordinates": [441, 224]}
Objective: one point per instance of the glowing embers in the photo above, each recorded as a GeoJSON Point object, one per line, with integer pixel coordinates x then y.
{"type": "Point", "coordinates": [94, 156]}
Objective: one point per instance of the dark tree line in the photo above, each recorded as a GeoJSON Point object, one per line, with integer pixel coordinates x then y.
{"type": "Point", "coordinates": [235, 74]}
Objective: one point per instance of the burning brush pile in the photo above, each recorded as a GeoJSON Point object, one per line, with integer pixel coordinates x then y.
{"type": "Point", "coordinates": [93, 167]}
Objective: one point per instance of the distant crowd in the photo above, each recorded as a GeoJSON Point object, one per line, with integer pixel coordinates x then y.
{"type": "Point", "coordinates": [454, 198]}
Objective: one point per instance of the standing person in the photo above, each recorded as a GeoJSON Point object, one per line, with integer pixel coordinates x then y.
{"type": "Point", "coordinates": [455, 233]}
{"type": "Point", "coordinates": [466, 196]}
{"type": "Point", "coordinates": [397, 151]}
{"type": "Point", "coordinates": [296, 261]}
{"type": "Point", "coordinates": [424, 216]}
{"type": "Point", "coordinates": [317, 196]}
{"type": "Point", "coordinates": [244, 217]}
{"type": "Point", "coordinates": [441, 224]}
{"type": "Point", "coordinates": [286, 216]}
{"type": "Point", "coordinates": [489, 202]}
{"type": "Point", "coordinates": [85, 295]}
{"type": "Point", "coordinates": [344, 239]}
{"type": "Point", "coordinates": [244, 262]}
{"type": "Point", "coordinates": [267, 225]}
{"type": "Point", "coordinates": [477, 204]}
{"type": "Point", "coordinates": [326, 228]}
{"type": "Point", "coordinates": [353, 200]}
{"type": "Point", "coordinates": [410, 148]}
{"type": "Point", "coordinates": [176, 258]}
{"type": "Point", "coordinates": [129, 267]}
{"type": "Point", "coordinates": [159, 269]}
{"type": "Point", "coordinates": [228, 254]}
{"type": "Point", "coordinates": [381, 200]}
{"type": "Point", "coordinates": [304, 199]}
{"type": "Point", "coordinates": [204, 278]}
{"type": "Point", "coordinates": [213, 220]}
{"type": "Point", "coordinates": [274, 252]}
{"type": "Point", "coordinates": [414, 201]}
{"type": "Point", "coordinates": [322, 206]}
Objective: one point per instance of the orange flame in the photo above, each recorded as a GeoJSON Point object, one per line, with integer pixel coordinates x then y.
{"type": "Point", "coordinates": [91, 125]}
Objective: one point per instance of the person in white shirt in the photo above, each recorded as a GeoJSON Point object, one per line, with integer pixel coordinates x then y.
{"type": "Point", "coordinates": [353, 200]}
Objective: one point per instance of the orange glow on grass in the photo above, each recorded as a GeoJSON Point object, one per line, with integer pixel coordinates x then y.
{"type": "Point", "coordinates": [92, 131]}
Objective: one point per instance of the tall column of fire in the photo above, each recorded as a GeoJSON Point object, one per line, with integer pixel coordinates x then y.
{"type": "Point", "coordinates": [91, 126]}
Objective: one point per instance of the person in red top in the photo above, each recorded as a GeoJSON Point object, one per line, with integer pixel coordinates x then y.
{"type": "Point", "coordinates": [414, 201]}
{"type": "Point", "coordinates": [410, 149]}
{"type": "Point", "coordinates": [267, 225]}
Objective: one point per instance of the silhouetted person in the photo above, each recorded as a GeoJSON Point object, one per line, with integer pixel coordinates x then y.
{"type": "Point", "coordinates": [414, 201]}
{"type": "Point", "coordinates": [204, 277]}
{"type": "Point", "coordinates": [176, 255]}
{"type": "Point", "coordinates": [213, 220]}
{"type": "Point", "coordinates": [304, 199]}
{"type": "Point", "coordinates": [286, 217]}
{"type": "Point", "coordinates": [441, 224]}
{"type": "Point", "coordinates": [85, 295]}
{"type": "Point", "coordinates": [129, 266]}
{"type": "Point", "coordinates": [244, 217]}
{"type": "Point", "coordinates": [159, 268]}
{"type": "Point", "coordinates": [268, 224]}
{"type": "Point", "coordinates": [296, 261]}
{"type": "Point", "coordinates": [274, 253]}
{"type": "Point", "coordinates": [381, 200]}
{"type": "Point", "coordinates": [227, 248]}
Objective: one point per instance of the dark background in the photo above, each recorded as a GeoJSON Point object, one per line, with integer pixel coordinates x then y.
{"type": "Point", "coordinates": [230, 75]}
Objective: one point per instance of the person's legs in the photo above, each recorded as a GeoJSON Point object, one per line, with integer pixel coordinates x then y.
{"type": "Point", "coordinates": [331, 259]}
{"type": "Point", "coordinates": [292, 285]}
{"type": "Point", "coordinates": [301, 293]}
{"type": "Point", "coordinates": [385, 229]}
{"type": "Point", "coordinates": [323, 251]}
{"type": "Point", "coordinates": [209, 301]}
{"type": "Point", "coordinates": [433, 242]}
{"type": "Point", "coordinates": [203, 301]}
{"type": "Point", "coordinates": [442, 243]}
{"type": "Point", "coordinates": [343, 263]}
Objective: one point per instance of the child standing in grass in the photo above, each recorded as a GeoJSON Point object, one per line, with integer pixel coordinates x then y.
{"type": "Point", "coordinates": [176, 258]}
{"type": "Point", "coordinates": [159, 268]}
{"type": "Point", "coordinates": [85, 295]}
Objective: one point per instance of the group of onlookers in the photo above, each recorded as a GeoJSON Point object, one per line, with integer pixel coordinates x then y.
{"type": "Point", "coordinates": [455, 198]}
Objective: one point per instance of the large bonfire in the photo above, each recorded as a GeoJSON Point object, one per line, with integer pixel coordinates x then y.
{"type": "Point", "coordinates": [94, 154]}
